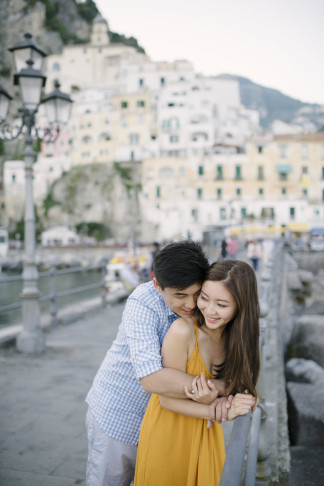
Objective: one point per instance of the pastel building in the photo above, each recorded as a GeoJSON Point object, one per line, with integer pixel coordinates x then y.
{"type": "Point", "coordinates": [278, 181]}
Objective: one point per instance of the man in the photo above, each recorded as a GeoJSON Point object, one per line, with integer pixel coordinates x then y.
{"type": "Point", "coordinates": [132, 368]}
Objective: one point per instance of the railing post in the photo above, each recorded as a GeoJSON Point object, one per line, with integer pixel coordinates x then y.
{"type": "Point", "coordinates": [53, 299]}
{"type": "Point", "coordinates": [263, 473]}
{"type": "Point", "coordinates": [103, 288]}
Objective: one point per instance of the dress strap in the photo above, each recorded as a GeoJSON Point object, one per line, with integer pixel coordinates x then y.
{"type": "Point", "coordinates": [196, 331]}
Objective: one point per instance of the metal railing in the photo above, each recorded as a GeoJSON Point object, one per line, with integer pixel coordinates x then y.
{"type": "Point", "coordinates": [247, 454]}
{"type": "Point", "coordinates": [54, 295]}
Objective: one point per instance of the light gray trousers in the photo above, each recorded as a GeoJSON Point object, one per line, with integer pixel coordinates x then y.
{"type": "Point", "coordinates": [110, 462]}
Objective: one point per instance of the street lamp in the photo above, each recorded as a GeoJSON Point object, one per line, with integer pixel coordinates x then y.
{"type": "Point", "coordinates": [29, 58]}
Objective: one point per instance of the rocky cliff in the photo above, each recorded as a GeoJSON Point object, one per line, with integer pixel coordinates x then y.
{"type": "Point", "coordinates": [100, 193]}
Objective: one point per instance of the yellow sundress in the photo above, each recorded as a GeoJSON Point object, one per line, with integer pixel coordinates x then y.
{"type": "Point", "coordinates": [175, 450]}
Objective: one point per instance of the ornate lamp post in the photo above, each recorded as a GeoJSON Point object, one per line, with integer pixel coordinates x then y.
{"type": "Point", "coordinates": [28, 58]}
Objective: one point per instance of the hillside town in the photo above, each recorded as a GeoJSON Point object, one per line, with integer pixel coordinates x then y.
{"type": "Point", "coordinates": [183, 155]}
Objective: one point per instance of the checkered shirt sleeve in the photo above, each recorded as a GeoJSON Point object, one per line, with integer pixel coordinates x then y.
{"type": "Point", "coordinates": [143, 339]}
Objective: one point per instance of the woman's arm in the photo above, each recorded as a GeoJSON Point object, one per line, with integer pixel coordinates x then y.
{"type": "Point", "coordinates": [186, 407]}
{"type": "Point", "coordinates": [172, 379]}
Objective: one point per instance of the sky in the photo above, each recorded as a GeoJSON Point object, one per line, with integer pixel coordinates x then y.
{"type": "Point", "coordinates": [276, 43]}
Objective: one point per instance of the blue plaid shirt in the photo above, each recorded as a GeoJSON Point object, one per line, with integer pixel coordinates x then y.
{"type": "Point", "coordinates": [116, 398]}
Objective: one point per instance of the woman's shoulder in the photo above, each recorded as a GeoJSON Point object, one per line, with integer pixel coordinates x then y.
{"type": "Point", "coordinates": [184, 326]}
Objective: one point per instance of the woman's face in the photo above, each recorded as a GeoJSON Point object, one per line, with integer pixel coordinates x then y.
{"type": "Point", "coordinates": [216, 304]}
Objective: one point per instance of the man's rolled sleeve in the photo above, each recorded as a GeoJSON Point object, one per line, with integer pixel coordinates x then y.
{"type": "Point", "coordinates": [142, 338]}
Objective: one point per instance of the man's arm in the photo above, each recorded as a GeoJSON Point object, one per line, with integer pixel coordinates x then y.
{"type": "Point", "coordinates": [240, 405]}
{"type": "Point", "coordinates": [167, 381]}
{"type": "Point", "coordinates": [173, 381]}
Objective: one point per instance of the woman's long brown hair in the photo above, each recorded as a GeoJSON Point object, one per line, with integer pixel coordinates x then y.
{"type": "Point", "coordinates": [241, 365]}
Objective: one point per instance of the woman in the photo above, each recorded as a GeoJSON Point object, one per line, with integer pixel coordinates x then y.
{"type": "Point", "coordinates": [254, 252]}
{"type": "Point", "coordinates": [175, 445]}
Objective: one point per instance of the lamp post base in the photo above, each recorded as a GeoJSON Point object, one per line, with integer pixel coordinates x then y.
{"type": "Point", "coordinates": [31, 341]}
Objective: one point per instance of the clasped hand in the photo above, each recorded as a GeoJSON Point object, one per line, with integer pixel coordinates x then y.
{"type": "Point", "coordinates": [221, 408]}
{"type": "Point", "coordinates": [202, 390]}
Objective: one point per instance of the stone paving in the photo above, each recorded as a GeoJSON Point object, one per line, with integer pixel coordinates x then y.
{"type": "Point", "coordinates": [42, 407]}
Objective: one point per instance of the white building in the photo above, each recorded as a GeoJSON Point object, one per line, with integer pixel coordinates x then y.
{"type": "Point", "coordinates": [59, 236]}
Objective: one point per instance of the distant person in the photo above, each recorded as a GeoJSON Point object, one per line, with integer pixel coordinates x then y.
{"type": "Point", "coordinates": [132, 368]}
{"type": "Point", "coordinates": [254, 253]}
{"type": "Point", "coordinates": [232, 246]}
{"type": "Point", "coordinates": [222, 340]}
{"type": "Point", "coordinates": [267, 249]}
{"type": "Point", "coordinates": [224, 248]}
{"type": "Point", "coordinates": [154, 250]}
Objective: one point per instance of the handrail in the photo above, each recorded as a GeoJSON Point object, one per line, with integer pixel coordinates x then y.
{"type": "Point", "coordinates": [54, 295]}
{"type": "Point", "coordinates": [247, 452]}
{"type": "Point", "coordinates": [233, 466]}
{"type": "Point", "coordinates": [251, 461]}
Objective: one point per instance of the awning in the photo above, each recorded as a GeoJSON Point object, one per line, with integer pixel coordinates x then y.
{"type": "Point", "coordinates": [284, 168]}
{"type": "Point", "coordinates": [317, 231]}
{"type": "Point", "coordinates": [298, 227]}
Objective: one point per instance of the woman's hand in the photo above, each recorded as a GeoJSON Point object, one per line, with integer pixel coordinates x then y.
{"type": "Point", "coordinates": [202, 390]}
{"type": "Point", "coordinates": [241, 404]}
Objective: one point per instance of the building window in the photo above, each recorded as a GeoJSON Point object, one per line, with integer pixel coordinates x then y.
{"type": "Point", "coordinates": [260, 149]}
{"type": "Point", "coordinates": [219, 193]}
{"type": "Point", "coordinates": [124, 104]}
{"type": "Point", "coordinates": [283, 151]}
{"type": "Point", "coordinates": [283, 176]}
{"type": "Point", "coordinates": [199, 193]}
{"type": "Point", "coordinates": [283, 191]}
{"type": "Point", "coordinates": [166, 172]}
{"type": "Point", "coordinates": [304, 151]}
{"type": "Point", "coordinates": [140, 104]}
{"type": "Point", "coordinates": [162, 82]}
{"type": "Point", "coordinates": [182, 171]}
{"type": "Point", "coordinates": [238, 191]}
{"type": "Point", "coordinates": [124, 121]}
{"type": "Point", "coordinates": [104, 137]}
{"type": "Point", "coordinates": [201, 170]}
{"type": "Point", "coordinates": [322, 194]}
{"type": "Point", "coordinates": [158, 192]}
{"type": "Point", "coordinates": [13, 178]}
{"type": "Point", "coordinates": [174, 138]}
{"type": "Point", "coordinates": [222, 213]}
{"type": "Point", "coordinates": [322, 173]}
{"type": "Point", "coordinates": [141, 82]}
{"type": "Point", "coordinates": [260, 173]}
{"type": "Point", "coordinates": [304, 170]}
{"type": "Point", "coordinates": [132, 155]}
{"type": "Point", "coordinates": [267, 213]}
{"type": "Point", "coordinates": [261, 191]}
{"type": "Point", "coordinates": [292, 213]}
{"type": "Point", "coordinates": [56, 66]}
{"type": "Point", "coordinates": [243, 213]}
{"type": "Point", "coordinates": [305, 192]}
{"type": "Point", "coordinates": [194, 214]}
{"type": "Point", "coordinates": [238, 174]}
{"type": "Point", "coordinates": [219, 174]}
{"type": "Point", "coordinates": [133, 139]}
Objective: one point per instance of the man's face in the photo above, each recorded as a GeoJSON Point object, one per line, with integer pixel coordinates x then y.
{"type": "Point", "coordinates": [181, 302]}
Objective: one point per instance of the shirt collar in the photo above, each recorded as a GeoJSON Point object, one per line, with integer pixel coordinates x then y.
{"type": "Point", "coordinates": [169, 312]}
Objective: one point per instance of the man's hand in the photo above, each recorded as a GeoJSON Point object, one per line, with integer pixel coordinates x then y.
{"type": "Point", "coordinates": [202, 390]}
{"type": "Point", "coordinates": [241, 404]}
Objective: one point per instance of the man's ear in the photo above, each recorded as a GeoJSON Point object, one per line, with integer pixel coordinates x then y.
{"type": "Point", "coordinates": [156, 285]}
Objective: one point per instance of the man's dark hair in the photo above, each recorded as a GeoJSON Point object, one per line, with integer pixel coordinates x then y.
{"type": "Point", "coordinates": [180, 265]}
